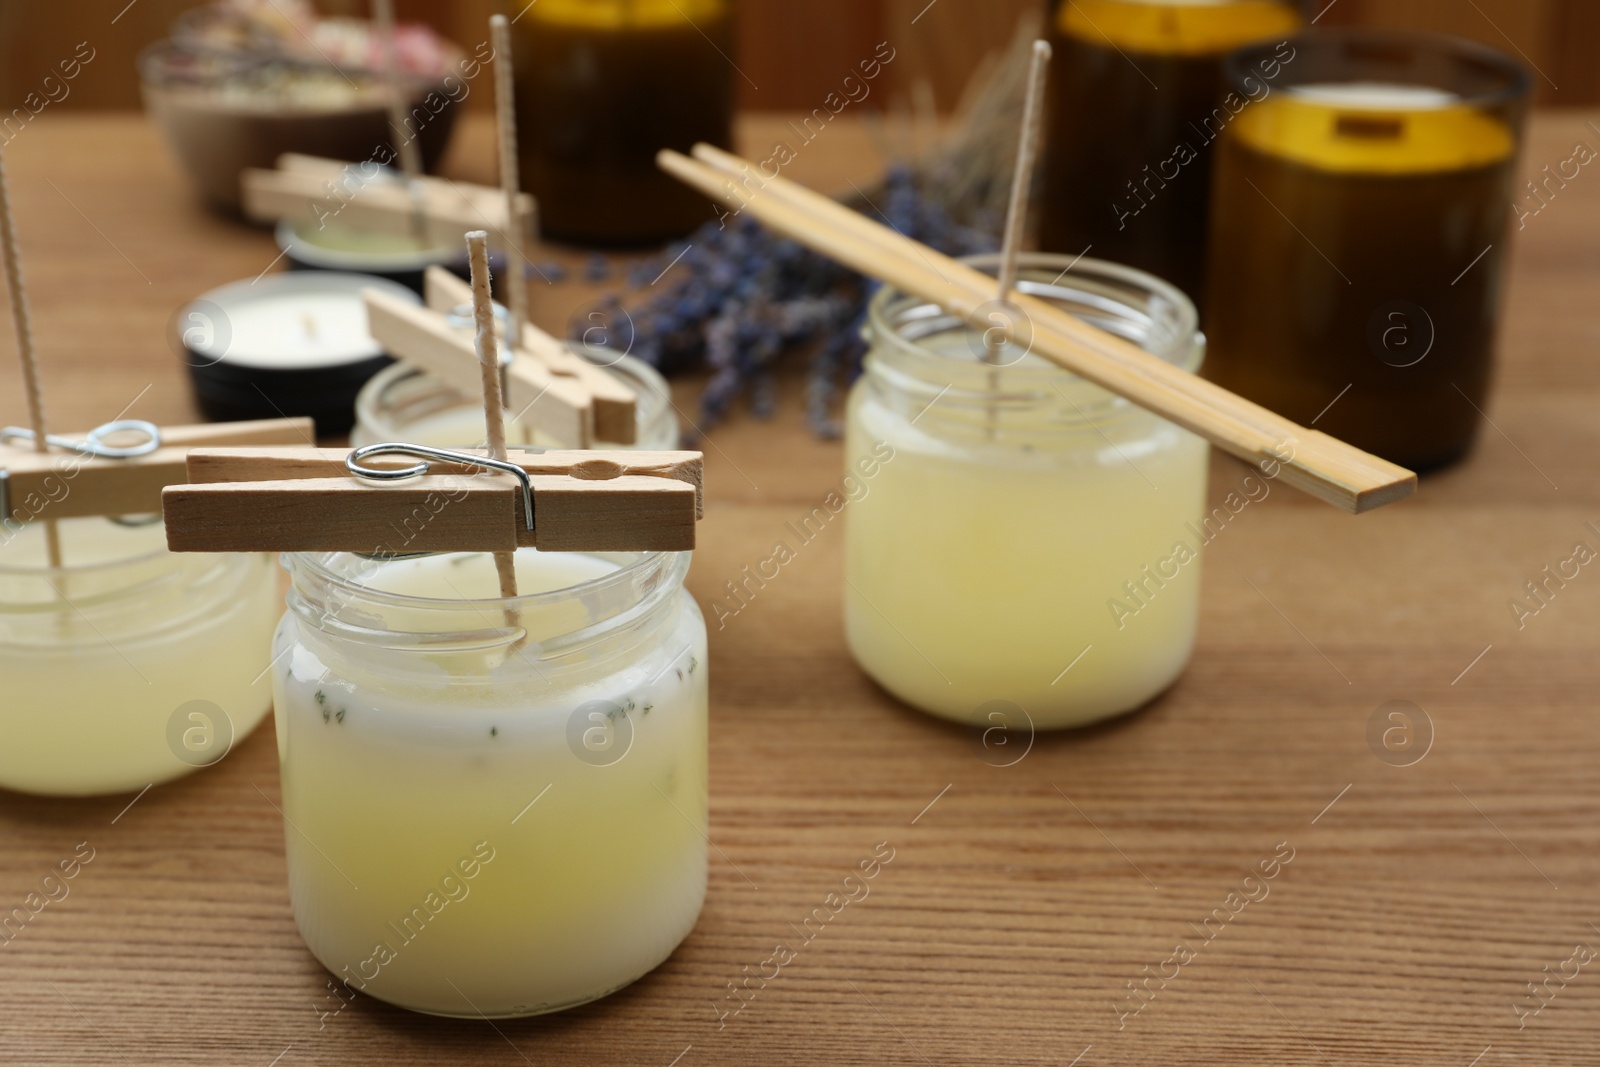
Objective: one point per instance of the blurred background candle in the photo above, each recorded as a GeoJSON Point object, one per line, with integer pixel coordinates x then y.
{"type": "Point", "coordinates": [284, 344]}
{"type": "Point", "coordinates": [602, 85]}
{"type": "Point", "coordinates": [1138, 97]}
{"type": "Point", "coordinates": [1020, 534]}
{"type": "Point", "coordinates": [1365, 206]}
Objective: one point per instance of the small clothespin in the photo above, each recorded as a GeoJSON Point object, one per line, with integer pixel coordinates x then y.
{"type": "Point", "coordinates": [548, 386]}
{"type": "Point", "coordinates": [116, 469]}
{"type": "Point", "coordinates": [365, 196]}
{"type": "Point", "coordinates": [439, 500]}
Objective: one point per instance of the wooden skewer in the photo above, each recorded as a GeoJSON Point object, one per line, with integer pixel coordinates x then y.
{"type": "Point", "coordinates": [494, 408]}
{"type": "Point", "coordinates": [505, 110]}
{"type": "Point", "coordinates": [410, 154]}
{"type": "Point", "coordinates": [1017, 212]}
{"type": "Point", "coordinates": [962, 275]}
{"type": "Point", "coordinates": [1323, 466]}
{"type": "Point", "coordinates": [23, 320]}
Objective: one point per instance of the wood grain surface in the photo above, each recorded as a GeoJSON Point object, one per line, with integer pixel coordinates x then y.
{"type": "Point", "coordinates": [1022, 900]}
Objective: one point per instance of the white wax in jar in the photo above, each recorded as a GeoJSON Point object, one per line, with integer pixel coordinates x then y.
{"type": "Point", "coordinates": [449, 852]}
{"type": "Point", "coordinates": [300, 329]}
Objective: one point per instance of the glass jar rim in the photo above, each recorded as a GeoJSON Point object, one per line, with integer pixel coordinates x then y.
{"type": "Point", "coordinates": [1518, 80]}
{"type": "Point", "coordinates": [665, 564]}
{"type": "Point", "coordinates": [1180, 350]}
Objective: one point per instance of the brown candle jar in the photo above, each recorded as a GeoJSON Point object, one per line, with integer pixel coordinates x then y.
{"type": "Point", "coordinates": [1361, 214]}
{"type": "Point", "coordinates": [602, 86]}
{"type": "Point", "coordinates": [1138, 97]}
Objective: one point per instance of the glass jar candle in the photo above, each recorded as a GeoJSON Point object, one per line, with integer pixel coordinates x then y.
{"type": "Point", "coordinates": [1366, 205]}
{"type": "Point", "coordinates": [1022, 535]}
{"type": "Point", "coordinates": [1138, 96]}
{"type": "Point", "coordinates": [493, 807]}
{"type": "Point", "coordinates": [129, 665]}
{"type": "Point", "coordinates": [602, 86]}
{"type": "Point", "coordinates": [406, 404]}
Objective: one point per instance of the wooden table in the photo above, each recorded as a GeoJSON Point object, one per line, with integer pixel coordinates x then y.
{"type": "Point", "coordinates": [1022, 900]}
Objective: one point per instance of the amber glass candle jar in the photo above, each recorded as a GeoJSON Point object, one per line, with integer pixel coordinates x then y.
{"type": "Point", "coordinates": [1361, 214]}
{"type": "Point", "coordinates": [602, 86]}
{"type": "Point", "coordinates": [1138, 97]}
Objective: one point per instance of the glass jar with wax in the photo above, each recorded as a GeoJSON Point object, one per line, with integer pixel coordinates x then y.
{"type": "Point", "coordinates": [405, 404]}
{"type": "Point", "coordinates": [495, 807]}
{"type": "Point", "coordinates": [602, 86]}
{"type": "Point", "coordinates": [1023, 536]}
{"type": "Point", "coordinates": [1365, 205]}
{"type": "Point", "coordinates": [127, 665]}
{"type": "Point", "coordinates": [1138, 97]}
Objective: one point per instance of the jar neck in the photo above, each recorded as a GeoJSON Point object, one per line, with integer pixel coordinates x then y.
{"type": "Point", "coordinates": [341, 603]}
{"type": "Point", "coordinates": [933, 367]}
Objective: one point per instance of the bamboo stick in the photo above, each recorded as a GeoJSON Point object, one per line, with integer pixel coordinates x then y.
{"type": "Point", "coordinates": [1312, 461]}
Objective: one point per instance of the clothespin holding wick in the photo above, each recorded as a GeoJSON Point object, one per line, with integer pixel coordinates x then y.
{"type": "Point", "coordinates": [371, 198]}
{"type": "Point", "coordinates": [116, 469]}
{"type": "Point", "coordinates": [440, 500]}
{"type": "Point", "coordinates": [547, 386]}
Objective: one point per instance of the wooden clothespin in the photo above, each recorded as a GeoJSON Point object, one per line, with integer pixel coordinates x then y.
{"type": "Point", "coordinates": [313, 500]}
{"type": "Point", "coordinates": [118, 469]}
{"type": "Point", "coordinates": [548, 386]}
{"type": "Point", "coordinates": [364, 196]}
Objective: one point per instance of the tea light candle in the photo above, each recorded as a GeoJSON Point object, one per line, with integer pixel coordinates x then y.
{"type": "Point", "coordinates": [289, 344]}
{"type": "Point", "coordinates": [99, 658]}
{"type": "Point", "coordinates": [1024, 537]}
{"type": "Point", "coordinates": [1366, 217]}
{"type": "Point", "coordinates": [488, 819]}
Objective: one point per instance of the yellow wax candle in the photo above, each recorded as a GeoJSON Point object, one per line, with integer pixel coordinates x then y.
{"type": "Point", "coordinates": [477, 827]}
{"type": "Point", "coordinates": [1023, 536]}
{"type": "Point", "coordinates": [1364, 210]}
{"type": "Point", "coordinates": [1374, 128]}
{"type": "Point", "coordinates": [102, 661]}
{"type": "Point", "coordinates": [602, 85]}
